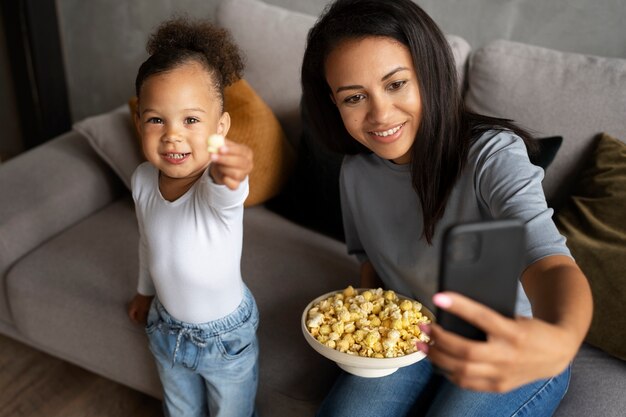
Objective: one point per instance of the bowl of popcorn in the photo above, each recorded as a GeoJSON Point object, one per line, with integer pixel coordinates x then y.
{"type": "Point", "coordinates": [367, 332]}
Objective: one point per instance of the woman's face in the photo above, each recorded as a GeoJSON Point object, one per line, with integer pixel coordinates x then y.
{"type": "Point", "coordinates": [374, 85]}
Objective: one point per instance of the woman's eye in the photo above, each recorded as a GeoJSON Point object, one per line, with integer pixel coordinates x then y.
{"type": "Point", "coordinates": [397, 84]}
{"type": "Point", "coordinates": [155, 120]}
{"type": "Point", "coordinates": [354, 99]}
{"type": "Point", "coordinates": [191, 120]}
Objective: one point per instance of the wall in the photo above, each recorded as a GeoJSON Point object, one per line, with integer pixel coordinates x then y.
{"type": "Point", "coordinates": [104, 39]}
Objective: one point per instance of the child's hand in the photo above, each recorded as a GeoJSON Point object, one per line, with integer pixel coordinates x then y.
{"type": "Point", "coordinates": [138, 308]}
{"type": "Point", "coordinates": [231, 164]}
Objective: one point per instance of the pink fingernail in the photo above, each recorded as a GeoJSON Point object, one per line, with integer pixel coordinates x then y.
{"type": "Point", "coordinates": [424, 328]}
{"type": "Point", "coordinates": [442, 300]}
{"type": "Point", "coordinates": [422, 346]}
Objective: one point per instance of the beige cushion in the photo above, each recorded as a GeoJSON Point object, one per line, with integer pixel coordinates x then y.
{"type": "Point", "coordinates": [594, 222]}
{"type": "Point", "coordinates": [553, 93]}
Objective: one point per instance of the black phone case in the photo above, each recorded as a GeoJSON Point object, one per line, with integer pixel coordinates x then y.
{"type": "Point", "coordinates": [482, 261]}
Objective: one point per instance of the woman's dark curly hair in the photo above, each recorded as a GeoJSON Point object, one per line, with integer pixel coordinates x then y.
{"type": "Point", "coordinates": [179, 41]}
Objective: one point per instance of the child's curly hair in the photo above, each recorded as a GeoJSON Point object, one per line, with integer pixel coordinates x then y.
{"type": "Point", "coordinates": [179, 40]}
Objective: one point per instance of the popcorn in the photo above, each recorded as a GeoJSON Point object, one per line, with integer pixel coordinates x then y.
{"type": "Point", "coordinates": [374, 323]}
{"type": "Point", "coordinates": [215, 142]}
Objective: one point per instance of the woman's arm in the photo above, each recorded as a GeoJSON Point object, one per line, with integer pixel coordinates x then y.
{"type": "Point", "coordinates": [369, 277]}
{"type": "Point", "coordinates": [519, 350]}
{"type": "Point", "coordinates": [560, 295]}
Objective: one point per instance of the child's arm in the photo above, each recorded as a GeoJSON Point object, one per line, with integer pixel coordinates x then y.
{"type": "Point", "coordinates": [138, 308]}
{"type": "Point", "coordinates": [231, 164]}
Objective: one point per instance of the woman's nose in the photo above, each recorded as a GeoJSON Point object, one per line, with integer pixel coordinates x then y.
{"type": "Point", "coordinates": [380, 108]}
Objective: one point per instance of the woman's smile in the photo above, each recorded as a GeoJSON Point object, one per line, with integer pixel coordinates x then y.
{"type": "Point", "coordinates": [388, 135]}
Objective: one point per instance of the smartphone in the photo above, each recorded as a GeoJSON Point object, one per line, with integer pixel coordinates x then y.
{"type": "Point", "coordinates": [484, 262]}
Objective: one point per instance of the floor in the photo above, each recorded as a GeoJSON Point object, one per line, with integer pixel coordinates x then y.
{"type": "Point", "coordinates": [34, 384]}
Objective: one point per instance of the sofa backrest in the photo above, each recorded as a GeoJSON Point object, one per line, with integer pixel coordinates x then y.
{"type": "Point", "coordinates": [273, 40]}
{"type": "Point", "coordinates": [551, 93]}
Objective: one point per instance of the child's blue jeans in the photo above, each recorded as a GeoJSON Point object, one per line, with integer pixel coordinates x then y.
{"type": "Point", "coordinates": [416, 391]}
{"type": "Point", "coordinates": [207, 369]}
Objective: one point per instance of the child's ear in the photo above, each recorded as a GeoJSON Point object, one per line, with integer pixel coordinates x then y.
{"type": "Point", "coordinates": [137, 121]}
{"type": "Point", "coordinates": [223, 125]}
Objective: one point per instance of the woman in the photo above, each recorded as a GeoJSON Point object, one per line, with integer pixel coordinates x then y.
{"type": "Point", "coordinates": [380, 86]}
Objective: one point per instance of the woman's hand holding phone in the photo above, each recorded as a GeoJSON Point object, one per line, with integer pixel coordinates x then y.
{"type": "Point", "coordinates": [516, 350]}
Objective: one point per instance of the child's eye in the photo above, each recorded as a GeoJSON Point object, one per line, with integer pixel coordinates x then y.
{"type": "Point", "coordinates": [354, 99]}
{"type": "Point", "coordinates": [191, 120]}
{"type": "Point", "coordinates": [155, 120]}
{"type": "Point", "coordinates": [397, 84]}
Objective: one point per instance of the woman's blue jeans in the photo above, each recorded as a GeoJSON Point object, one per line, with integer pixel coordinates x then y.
{"type": "Point", "coordinates": [208, 369]}
{"type": "Point", "coordinates": [417, 390]}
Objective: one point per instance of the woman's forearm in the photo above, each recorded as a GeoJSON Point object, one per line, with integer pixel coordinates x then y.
{"type": "Point", "coordinates": [369, 277]}
{"type": "Point", "coordinates": [560, 294]}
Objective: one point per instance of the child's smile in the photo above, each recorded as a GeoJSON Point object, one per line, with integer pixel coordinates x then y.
{"type": "Point", "coordinates": [176, 158]}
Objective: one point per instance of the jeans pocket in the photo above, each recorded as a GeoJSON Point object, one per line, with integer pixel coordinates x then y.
{"type": "Point", "coordinates": [238, 342]}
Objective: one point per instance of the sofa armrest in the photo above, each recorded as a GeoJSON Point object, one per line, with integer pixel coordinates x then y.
{"type": "Point", "coordinates": [47, 189]}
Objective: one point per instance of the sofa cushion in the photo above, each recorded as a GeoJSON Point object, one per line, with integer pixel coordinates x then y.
{"type": "Point", "coordinates": [274, 71]}
{"type": "Point", "coordinates": [113, 137]}
{"type": "Point", "coordinates": [553, 93]}
{"type": "Point", "coordinates": [548, 147]}
{"type": "Point", "coordinates": [45, 198]}
{"type": "Point", "coordinates": [597, 386]}
{"type": "Point", "coordinates": [594, 222]}
{"type": "Point", "coordinates": [69, 296]}
{"type": "Point", "coordinates": [286, 272]}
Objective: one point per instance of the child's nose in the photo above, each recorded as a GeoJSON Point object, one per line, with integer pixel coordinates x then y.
{"type": "Point", "coordinates": [172, 135]}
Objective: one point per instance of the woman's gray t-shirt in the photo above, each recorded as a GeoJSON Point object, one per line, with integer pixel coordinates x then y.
{"type": "Point", "coordinates": [383, 218]}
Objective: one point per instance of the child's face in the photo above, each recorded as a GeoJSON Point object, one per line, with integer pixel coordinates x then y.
{"type": "Point", "coordinates": [178, 111]}
{"type": "Point", "coordinates": [374, 85]}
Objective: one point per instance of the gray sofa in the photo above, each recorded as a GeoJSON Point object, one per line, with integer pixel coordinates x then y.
{"type": "Point", "coordinates": [68, 238]}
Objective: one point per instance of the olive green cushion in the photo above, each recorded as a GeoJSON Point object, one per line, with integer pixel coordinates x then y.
{"type": "Point", "coordinates": [594, 222]}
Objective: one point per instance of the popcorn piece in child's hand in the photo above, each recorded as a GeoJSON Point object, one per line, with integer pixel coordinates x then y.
{"type": "Point", "coordinates": [215, 142]}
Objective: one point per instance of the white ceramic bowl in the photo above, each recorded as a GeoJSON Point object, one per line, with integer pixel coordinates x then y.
{"type": "Point", "coordinates": [360, 365]}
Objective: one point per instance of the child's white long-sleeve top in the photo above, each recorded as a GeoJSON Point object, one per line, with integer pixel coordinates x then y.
{"type": "Point", "coordinates": [190, 248]}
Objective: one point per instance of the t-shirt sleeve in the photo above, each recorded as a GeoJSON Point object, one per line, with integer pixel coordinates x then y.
{"type": "Point", "coordinates": [509, 186]}
{"type": "Point", "coordinates": [145, 285]}
{"type": "Point", "coordinates": [221, 197]}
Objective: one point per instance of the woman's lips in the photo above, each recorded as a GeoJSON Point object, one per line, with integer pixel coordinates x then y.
{"type": "Point", "coordinates": [388, 135]}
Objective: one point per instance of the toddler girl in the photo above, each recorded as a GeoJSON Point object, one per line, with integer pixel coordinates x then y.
{"type": "Point", "coordinates": [202, 323]}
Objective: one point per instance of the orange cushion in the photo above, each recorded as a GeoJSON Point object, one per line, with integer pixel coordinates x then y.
{"type": "Point", "coordinates": [254, 124]}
